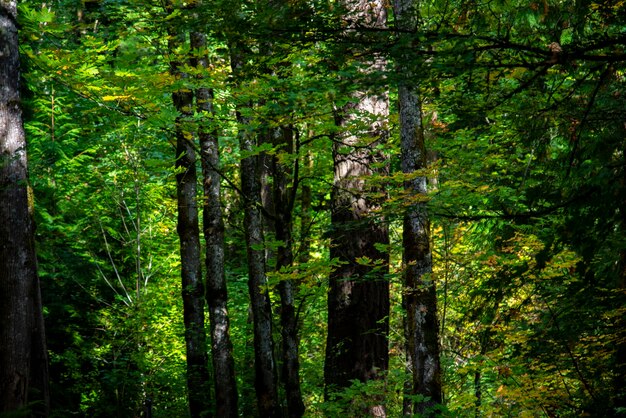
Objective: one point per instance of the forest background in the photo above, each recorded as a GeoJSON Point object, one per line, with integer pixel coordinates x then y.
{"type": "Point", "coordinates": [133, 110]}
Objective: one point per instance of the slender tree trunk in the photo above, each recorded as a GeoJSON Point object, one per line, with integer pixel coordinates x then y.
{"type": "Point", "coordinates": [189, 233]}
{"type": "Point", "coordinates": [264, 364]}
{"type": "Point", "coordinates": [217, 295]}
{"type": "Point", "coordinates": [358, 301]}
{"type": "Point", "coordinates": [619, 381]}
{"type": "Point", "coordinates": [478, 393]}
{"type": "Point", "coordinates": [23, 355]}
{"type": "Point", "coordinates": [419, 295]}
{"type": "Point", "coordinates": [284, 186]}
{"type": "Point", "coordinates": [266, 378]}
{"type": "Point", "coordinates": [305, 217]}
{"type": "Point", "coordinates": [283, 228]}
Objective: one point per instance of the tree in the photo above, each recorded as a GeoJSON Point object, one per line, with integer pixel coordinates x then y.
{"type": "Point", "coordinates": [23, 355]}
{"type": "Point", "coordinates": [358, 300]}
{"type": "Point", "coordinates": [419, 292]}
{"type": "Point", "coordinates": [189, 233]}
{"type": "Point", "coordinates": [283, 170]}
{"type": "Point", "coordinates": [213, 227]}
{"type": "Point", "coordinates": [266, 377]}
{"type": "Point", "coordinates": [523, 104]}
{"type": "Point", "coordinates": [284, 199]}
{"type": "Point", "coordinates": [535, 123]}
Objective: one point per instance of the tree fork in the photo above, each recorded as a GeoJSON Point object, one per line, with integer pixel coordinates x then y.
{"type": "Point", "coordinates": [198, 386]}
{"type": "Point", "coordinates": [283, 226]}
{"type": "Point", "coordinates": [213, 226]}
{"type": "Point", "coordinates": [266, 378]}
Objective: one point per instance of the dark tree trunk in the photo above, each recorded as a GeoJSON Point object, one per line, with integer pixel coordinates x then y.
{"type": "Point", "coordinates": [266, 379]}
{"type": "Point", "coordinates": [419, 295]}
{"type": "Point", "coordinates": [283, 228]}
{"type": "Point", "coordinates": [305, 216]}
{"type": "Point", "coordinates": [217, 296]}
{"type": "Point", "coordinates": [192, 289]}
{"type": "Point", "coordinates": [358, 301]}
{"type": "Point", "coordinates": [23, 355]}
{"type": "Point", "coordinates": [189, 234]}
{"type": "Point", "coordinates": [478, 393]}
{"type": "Point", "coordinates": [283, 188]}
{"type": "Point", "coordinates": [619, 381]}
{"type": "Point", "coordinates": [265, 367]}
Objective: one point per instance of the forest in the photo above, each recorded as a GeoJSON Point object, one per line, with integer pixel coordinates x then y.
{"type": "Point", "coordinates": [312, 208]}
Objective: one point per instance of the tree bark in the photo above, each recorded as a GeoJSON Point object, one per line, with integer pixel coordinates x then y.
{"type": "Point", "coordinates": [266, 378]}
{"type": "Point", "coordinates": [265, 367]}
{"type": "Point", "coordinates": [23, 354]}
{"type": "Point", "coordinates": [213, 222]}
{"type": "Point", "coordinates": [189, 234]}
{"type": "Point", "coordinates": [358, 301]}
{"type": "Point", "coordinates": [283, 228]}
{"type": "Point", "coordinates": [283, 188]}
{"type": "Point", "coordinates": [419, 295]}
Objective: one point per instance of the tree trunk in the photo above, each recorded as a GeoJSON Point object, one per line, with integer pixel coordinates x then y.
{"type": "Point", "coordinates": [419, 295]}
{"type": "Point", "coordinates": [306, 219]}
{"type": "Point", "coordinates": [217, 295]}
{"type": "Point", "coordinates": [619, 381]}
{"type": "Point", "coordinates": [283, 228]}
{"type": "Point", "coordinates": [358, 301]}
{"type": "Point", "coordinates": [23, 355]}
{"type": "Point", "coordinates": [189, 233]}
{"type": "Point", "coordinates": [265, 368]}
{"type": "Point", "coordinates": [266, 379]}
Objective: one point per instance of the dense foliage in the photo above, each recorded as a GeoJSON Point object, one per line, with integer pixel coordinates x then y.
{"type": "Point", "coordinates": [523, 116]}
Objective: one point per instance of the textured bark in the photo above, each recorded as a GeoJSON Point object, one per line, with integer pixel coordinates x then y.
{"type": "Point", "coordinates": [283, 188]}
{"type": "Point", "coordinates": [358, 301]}
{"type": "Point", "coordinates": [23, 358]}
{"type": "Point", "coordinates": [266, 379]}
{"type": "Point", "coordinates": [213, 223]}
{"type": "Point", "coordinates": [264, 364]}
{"type": "Point", "coordinates": [419, 295]}
{"type": "Point", "coordinates": [283, 228]}
{"type": "Point", "coordinates": [189, 234]}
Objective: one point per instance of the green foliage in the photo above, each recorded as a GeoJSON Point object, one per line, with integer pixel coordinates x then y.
{"type": "Point", "coordinates": [526, 194]}
{"type": "Point", "coordinates": [357, 400]}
